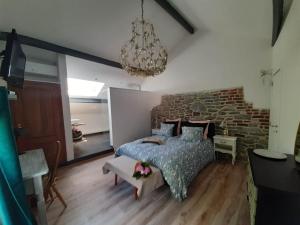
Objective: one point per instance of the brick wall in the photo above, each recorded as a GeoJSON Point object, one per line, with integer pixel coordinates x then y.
{"type": "Point", "coordinates": [250, 125]}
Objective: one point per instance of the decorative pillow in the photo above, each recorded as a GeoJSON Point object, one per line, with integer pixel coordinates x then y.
{"type": "Point", "coordinates": [206, 122]}
{"type": "Point", "coordinates": [155, 131]}
{"type": "Point", "coordinates": [192, 133]}
{"type": "Point", "coordinates": [177, 124]}
{"type": "Point", "coordinates": [166, 129]}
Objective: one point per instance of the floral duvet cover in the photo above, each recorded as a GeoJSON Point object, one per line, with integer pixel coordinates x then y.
{"type": "Point", "coordinates": [179, 161]}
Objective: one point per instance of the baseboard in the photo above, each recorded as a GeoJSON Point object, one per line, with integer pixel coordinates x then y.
{"type": "Point", "coordinates": [91, 156]}
{"type": "Point", "coordinates": [101, 132]}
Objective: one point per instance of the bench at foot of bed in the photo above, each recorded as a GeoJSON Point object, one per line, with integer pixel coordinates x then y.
{"type": "Point", "coordinates": [123, 167]}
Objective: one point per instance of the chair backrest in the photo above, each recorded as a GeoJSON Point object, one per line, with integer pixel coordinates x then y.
{"type": "Point", "coordinates": [53, 169]}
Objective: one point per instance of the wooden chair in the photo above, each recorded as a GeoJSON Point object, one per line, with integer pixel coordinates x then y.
{"type": "Point", "coordinates": [50, 187]}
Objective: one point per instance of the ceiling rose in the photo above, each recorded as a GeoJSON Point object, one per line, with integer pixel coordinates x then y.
{"type": "Point", "coordinates": [143, 55]}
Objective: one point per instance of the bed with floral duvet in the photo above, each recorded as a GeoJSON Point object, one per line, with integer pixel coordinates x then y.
{"type": "Point", "coordinates": [179, 160]}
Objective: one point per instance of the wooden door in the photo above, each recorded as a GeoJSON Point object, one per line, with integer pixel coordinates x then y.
{"type": "Point", "coordinates": [38, 115]}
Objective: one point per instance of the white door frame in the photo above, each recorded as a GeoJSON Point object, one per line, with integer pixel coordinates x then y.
{"type": "Point", "coordinates": [275, 111]}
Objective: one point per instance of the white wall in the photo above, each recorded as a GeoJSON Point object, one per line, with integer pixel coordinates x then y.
{"type": "Point", "coordinates": [130, 114]}
{"type": "Point", "coordinates": [286, 56]}
{"type": "Point", "coordinates": [216, 61]}
{"type": "Point", "coordinates": [231, 45]}
{"type": "Point", "coordinates": [94, 115]}
{"type": "Point", "coordinates": [62, 71]}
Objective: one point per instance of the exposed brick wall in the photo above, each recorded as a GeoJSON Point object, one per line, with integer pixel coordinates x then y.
{"type": "Point", "coordinates": [250, 125]}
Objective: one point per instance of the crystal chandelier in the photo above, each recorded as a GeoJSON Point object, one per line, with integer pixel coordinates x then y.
{"type": "Point", "coordinates": [143, 55]}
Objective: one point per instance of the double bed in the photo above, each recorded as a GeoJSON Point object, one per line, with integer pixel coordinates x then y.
{"type": "Point", "coordinates": [179, 160]}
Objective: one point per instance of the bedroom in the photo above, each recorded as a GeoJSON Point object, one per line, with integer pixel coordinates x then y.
{"type": "Point", "coordinates": [232, 65]}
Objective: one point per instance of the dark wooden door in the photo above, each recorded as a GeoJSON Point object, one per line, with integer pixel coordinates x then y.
{"type": "Point", "coordinates": [38, 118]}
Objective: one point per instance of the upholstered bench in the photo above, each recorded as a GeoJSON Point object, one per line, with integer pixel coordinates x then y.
{"type": "Point", "coordinates": [123, 167]}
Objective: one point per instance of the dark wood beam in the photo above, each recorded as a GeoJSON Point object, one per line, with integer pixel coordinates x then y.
{"type": "Point", "coordinates": [277, 19]}
{"type": "Point", "coordinates": [62, 50]}
{"type": "Point", "coordinates": [176, 15]}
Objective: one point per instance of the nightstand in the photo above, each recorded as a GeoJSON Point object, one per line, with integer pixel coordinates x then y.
{"type": "Point", "coordinates": [226, 144]}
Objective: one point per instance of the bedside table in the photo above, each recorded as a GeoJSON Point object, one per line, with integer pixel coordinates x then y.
{"type": "Point", "coordinates": [226, 144]}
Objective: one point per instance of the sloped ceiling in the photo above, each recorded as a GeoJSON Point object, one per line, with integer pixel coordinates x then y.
{"type": "Point", "coordinates": [110, 76]}
{"type": "Point", "coordinates": [286, 7]}
{"type": "Point", "coordinates": [100, 27]}
{"type": "Point", "coordinates": [235, 17]}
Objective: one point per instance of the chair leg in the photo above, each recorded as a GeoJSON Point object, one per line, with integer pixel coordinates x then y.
{"type": "Point", "coordinates": [51, 195]}
{"type": "Point", "coordinates": [46, 192]}
{"type": "Point", "coordinates": [59, 196]}
{"type": "Point", "coordinates": [51, 200]}
{"type": "Point", "coordinates": [116, 179]}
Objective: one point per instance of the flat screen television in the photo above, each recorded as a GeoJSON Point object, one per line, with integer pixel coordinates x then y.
{"type": "Point", "coordinates": [14, 60]}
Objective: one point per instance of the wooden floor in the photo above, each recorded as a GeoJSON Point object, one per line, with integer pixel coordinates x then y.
{"type": "Point", "coordinates": [216, 197]}
{"type": "Point", "coordinates": [93, 143]}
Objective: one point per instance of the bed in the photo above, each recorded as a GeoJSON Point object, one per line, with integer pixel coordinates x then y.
{"type": "Point", "coordinates": [179, 161]}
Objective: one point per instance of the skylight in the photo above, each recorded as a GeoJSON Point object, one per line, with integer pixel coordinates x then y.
{"type": "Point", "coordinates": [78, 88]}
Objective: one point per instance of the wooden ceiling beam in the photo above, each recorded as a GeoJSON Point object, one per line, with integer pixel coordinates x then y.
{"type": "Point", "coordinates": [176, 15]}
{"type": "Point", "coordinates": [62, 50]}
{"type": "Point", "coordinates": [277, 19]}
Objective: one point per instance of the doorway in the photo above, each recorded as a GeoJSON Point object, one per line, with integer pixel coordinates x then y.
{"type": "Point", "coordinates": [89, 117]}
{"type": "Point", "coordinates": [88, 97]}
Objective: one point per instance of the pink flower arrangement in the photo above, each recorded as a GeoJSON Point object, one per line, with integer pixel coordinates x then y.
{"type": "Point", "coordinates": [142, 169]}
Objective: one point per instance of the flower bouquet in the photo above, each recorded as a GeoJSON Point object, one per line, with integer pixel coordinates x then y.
{"type": "Point", "coordinates": [142, 169]}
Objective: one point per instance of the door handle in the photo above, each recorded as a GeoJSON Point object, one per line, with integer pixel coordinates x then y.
{"type": "Point", "coordinates": [19, 130]}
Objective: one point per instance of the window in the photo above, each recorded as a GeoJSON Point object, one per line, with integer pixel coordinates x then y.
{"type": "Point", "coordinates": [78, 88]}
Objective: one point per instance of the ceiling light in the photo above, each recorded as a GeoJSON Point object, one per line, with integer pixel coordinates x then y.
{"type": "Point", "coordinates": [143, 55]}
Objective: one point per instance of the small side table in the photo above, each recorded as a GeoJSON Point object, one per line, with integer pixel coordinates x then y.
{"type": "Point", "coordinates": [33, 166]}
{"type": "Point", "coordinates": [226, 144]}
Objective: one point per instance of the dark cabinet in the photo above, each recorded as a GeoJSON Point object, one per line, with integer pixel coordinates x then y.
{"type": "Point", "coordinates": [273, 191]}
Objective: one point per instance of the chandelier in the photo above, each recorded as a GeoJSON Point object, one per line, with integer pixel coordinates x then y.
{"type": "Point", "coordinates": [143, 55]}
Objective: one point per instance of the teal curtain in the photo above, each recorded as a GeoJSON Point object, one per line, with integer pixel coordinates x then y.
{"type": "Point", "coordinates": [14, 209]}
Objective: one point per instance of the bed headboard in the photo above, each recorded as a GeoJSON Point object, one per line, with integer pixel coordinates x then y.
{"type": "Point", "coordinates": [211, 130]}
